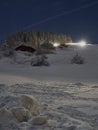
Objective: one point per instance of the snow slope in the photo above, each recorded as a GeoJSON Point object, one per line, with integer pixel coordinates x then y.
{"type": "Point", "coordinates": [67, 93]}
{"type": "Point", "coordinates": [60, 68]}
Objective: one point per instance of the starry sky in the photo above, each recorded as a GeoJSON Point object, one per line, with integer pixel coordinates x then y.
{"type": "Point", "coordinates": [77, 18]}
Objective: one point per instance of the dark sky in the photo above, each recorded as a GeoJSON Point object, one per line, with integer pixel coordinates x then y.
{"type": "Point", "coordinates": [78, 18]}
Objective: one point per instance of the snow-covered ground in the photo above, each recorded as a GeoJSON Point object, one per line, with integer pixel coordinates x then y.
{"type": "Point", "coordinates": [67, 93]}
{"type": "Point", "coordinates": [60, 68]}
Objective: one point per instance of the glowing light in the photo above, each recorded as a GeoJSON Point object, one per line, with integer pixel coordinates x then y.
{"type": "Point", "coordinates": [56, 44]}
{"type": "Point", "coordinates": [72, 44]}
{"type": "Point", "coordinates": [82, 43]}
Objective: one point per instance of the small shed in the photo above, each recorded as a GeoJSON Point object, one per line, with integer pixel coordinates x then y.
{"type": "Point", "coordinates": [25, 48]}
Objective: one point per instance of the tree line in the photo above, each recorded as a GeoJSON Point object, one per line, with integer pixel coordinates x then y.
{"type": "Point", "coordinates": [32, 38]}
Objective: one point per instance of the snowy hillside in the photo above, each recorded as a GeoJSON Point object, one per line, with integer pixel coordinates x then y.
{"type": "Point", "coordinates": [60, 69]}
{"type": "Point", "coordinates": [67, 93]}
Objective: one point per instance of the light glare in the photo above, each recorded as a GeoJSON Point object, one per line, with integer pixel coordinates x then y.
{"type": "Point", "coordinates": [56, 44]}
{"type": "Point", "coordinates": [82, 43]}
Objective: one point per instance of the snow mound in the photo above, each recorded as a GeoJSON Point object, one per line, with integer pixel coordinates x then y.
{"type": "Point", "coordinates": [59, 108]}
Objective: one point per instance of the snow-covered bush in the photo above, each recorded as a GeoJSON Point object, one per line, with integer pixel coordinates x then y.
{"type": "Point", "coordinates": [39, 120]}
{"type": "Point", "coordinates": [21, 114]}
{"type": "Point", "coordinates": [30, 103]}
{"type": "Point", "coordinates": [77, 59]}
{"type": "Point", "coordinates": [6, 115]}
{"type": "Point", "coordinates": [47, 45]}
{"type": "Point", "coordinates": [9, 53]}
{"type": "Point", "coordinates": [6, 51]}
{"type": "Point", "coordinates": [40, 60]}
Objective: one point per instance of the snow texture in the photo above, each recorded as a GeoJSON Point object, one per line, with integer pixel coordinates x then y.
{"type": "Point", "coordinates": [67, 93]}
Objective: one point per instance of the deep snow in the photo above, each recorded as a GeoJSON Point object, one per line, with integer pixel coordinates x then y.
{"type": "Point", "coordinates": [69, 91]}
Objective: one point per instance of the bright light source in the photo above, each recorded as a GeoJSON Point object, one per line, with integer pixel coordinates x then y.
{"type": "Point", "coordinates": [56, 44]}
{"type": "Point", "coordinates": [82, 43]}
{"type": "Point", "coordinates": [72, 44]}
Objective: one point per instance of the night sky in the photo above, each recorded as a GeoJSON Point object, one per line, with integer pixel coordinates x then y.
{"type": "Point", "coordinates": [78, 18]}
